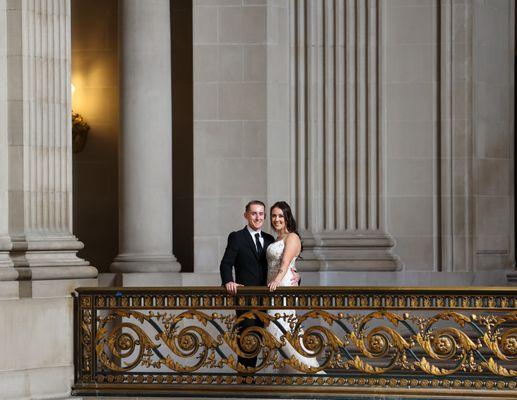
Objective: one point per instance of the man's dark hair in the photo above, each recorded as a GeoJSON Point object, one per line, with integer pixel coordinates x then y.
{"type": "Point", "coordinates": [254, 202]}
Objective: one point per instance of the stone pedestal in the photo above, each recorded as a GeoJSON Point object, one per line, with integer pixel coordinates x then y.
{"type": "Point", "coordinates": [338, 143]}
{"type": "Point", "coordinates": [145, 158]}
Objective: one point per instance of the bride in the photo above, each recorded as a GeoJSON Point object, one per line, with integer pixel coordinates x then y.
{"type": "Point", "coordinates": [281, 257]}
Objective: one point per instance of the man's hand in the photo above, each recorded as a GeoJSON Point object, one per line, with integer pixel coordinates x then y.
{"type": "Point", "coordinates": [296, 277]}
{"type": "Point", "coordinates": [231, 287]}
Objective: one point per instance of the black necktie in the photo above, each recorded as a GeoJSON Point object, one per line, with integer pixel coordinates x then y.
{"type": "Point", "coordinates": [257, 242]}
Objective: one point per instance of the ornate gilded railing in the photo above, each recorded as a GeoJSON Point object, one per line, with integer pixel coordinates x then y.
{"type": "Point", "coordinates": [400, 341]}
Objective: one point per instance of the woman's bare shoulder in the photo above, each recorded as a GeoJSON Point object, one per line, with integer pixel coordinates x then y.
{"type": "Point", "coordinates": [292, 238]}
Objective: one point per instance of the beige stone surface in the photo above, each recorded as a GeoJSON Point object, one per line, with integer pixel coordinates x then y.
{"type": "Point", "coordinates": [447, 136]}
{"type": "Point", "coordinates": [36, 348]}
{"type": "Point", "coordinates": [445, 168]}
{"type": "Point", "coordinates": [493, 83]}
{"type": "Point", "coordinates": [230, 112]}
{"type": "Point", "coordinates": [40, 383]}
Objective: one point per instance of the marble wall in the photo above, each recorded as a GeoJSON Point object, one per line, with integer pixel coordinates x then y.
{"type": "Point", "coordinates": [230, 120]}
{"type": "Point", "coordinates": [36, 347]}
{"type": "Point", "coordinates": [450, 136]}
{"type": "Point", "coordinates": [493, 55]}
{"type": "Point", "coordinates": [411, 73]}
{"type": "Point", "coordinates": [377, 129]}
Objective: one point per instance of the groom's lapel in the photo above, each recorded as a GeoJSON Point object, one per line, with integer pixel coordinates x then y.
{"type": "Point", "coordinates": [250, 242]}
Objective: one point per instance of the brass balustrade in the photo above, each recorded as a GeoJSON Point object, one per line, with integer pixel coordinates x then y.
{"type": "Point", "coordinates": [399, 341]}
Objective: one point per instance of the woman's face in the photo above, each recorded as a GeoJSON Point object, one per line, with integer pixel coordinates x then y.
{"type": "Point", "coordinates": [278, 219]}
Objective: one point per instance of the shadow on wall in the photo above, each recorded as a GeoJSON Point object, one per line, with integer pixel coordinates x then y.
{"type": "Point", "coordinates": [95, 169]}
{"type": "Point", "coordinates": [183, 132]}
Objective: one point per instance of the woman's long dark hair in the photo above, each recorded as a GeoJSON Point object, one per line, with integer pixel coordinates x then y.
{"type": "Point", "coordinates": [290, 222]}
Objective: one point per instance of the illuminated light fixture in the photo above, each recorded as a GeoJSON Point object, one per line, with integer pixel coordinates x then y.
{"type": "Point", "coordinates": [80, 128]}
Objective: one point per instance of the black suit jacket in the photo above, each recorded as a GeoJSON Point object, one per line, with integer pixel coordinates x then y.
{"type": "Point", "coordinates": [241, 254]}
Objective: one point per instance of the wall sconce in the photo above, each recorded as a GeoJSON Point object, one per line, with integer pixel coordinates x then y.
{"type": "Point", "coordinates": [80, 129]}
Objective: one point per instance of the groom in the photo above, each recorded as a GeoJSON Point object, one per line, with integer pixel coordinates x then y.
{"type": "Point", "coordinates": [246, 253]}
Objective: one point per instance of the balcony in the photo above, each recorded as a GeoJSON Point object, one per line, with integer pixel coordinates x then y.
{"type": "Point", "coordinates": [309, 342]}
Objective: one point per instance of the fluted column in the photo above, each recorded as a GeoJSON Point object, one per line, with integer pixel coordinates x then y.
{"type": "Point", "coordinates": [40, 148]}
{"type": "Point", "coordinates": [7, 273]}
{"type": "Point", "coordinates": [145, 158]}
{"type": "Point", "coordinates": [338, 135]}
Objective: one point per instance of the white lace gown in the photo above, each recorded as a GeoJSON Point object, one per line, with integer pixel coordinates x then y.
{"type": "Point", "coordinates": [274, 255]}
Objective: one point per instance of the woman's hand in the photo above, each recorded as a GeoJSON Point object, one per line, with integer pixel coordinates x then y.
{"type": "Point", "coordinates": [295, 280]}
{"type": "Point", "coordinates": [273, 285]}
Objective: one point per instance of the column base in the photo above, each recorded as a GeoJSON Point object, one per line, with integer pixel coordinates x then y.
{"type": "Point", "coordinates": [145, 263]}
{"type": "Point", "coordinates": [7, 272]}
{"type": "Point", "coordinates": [511, 278]}
{"type": "Point", "coordinates": [49, 258]}
{"type": "Point", "coordinates": [56, 273]}
{"type": "Point", "coordinates": [367, 251]}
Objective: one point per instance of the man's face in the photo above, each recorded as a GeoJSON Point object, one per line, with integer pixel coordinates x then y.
{"type": "Point", "coordinates": [255, 216]}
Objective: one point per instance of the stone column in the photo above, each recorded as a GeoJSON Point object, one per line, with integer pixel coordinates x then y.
{"type": "Point", "coordinates": [338, 143]}
{"type": "Point", "coordinates": [40, 147]}
{"type": "Point", "coordinates": [145, 158]}
{"type": "Point", "coordinates": [7, 273]}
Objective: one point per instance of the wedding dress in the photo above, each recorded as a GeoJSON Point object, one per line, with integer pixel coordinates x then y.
{"type": "Point", "coordinates": [274, 255]}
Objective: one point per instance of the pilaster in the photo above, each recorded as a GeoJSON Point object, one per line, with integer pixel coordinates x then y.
{"type": "Point", "coordinates": [338, 133]}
